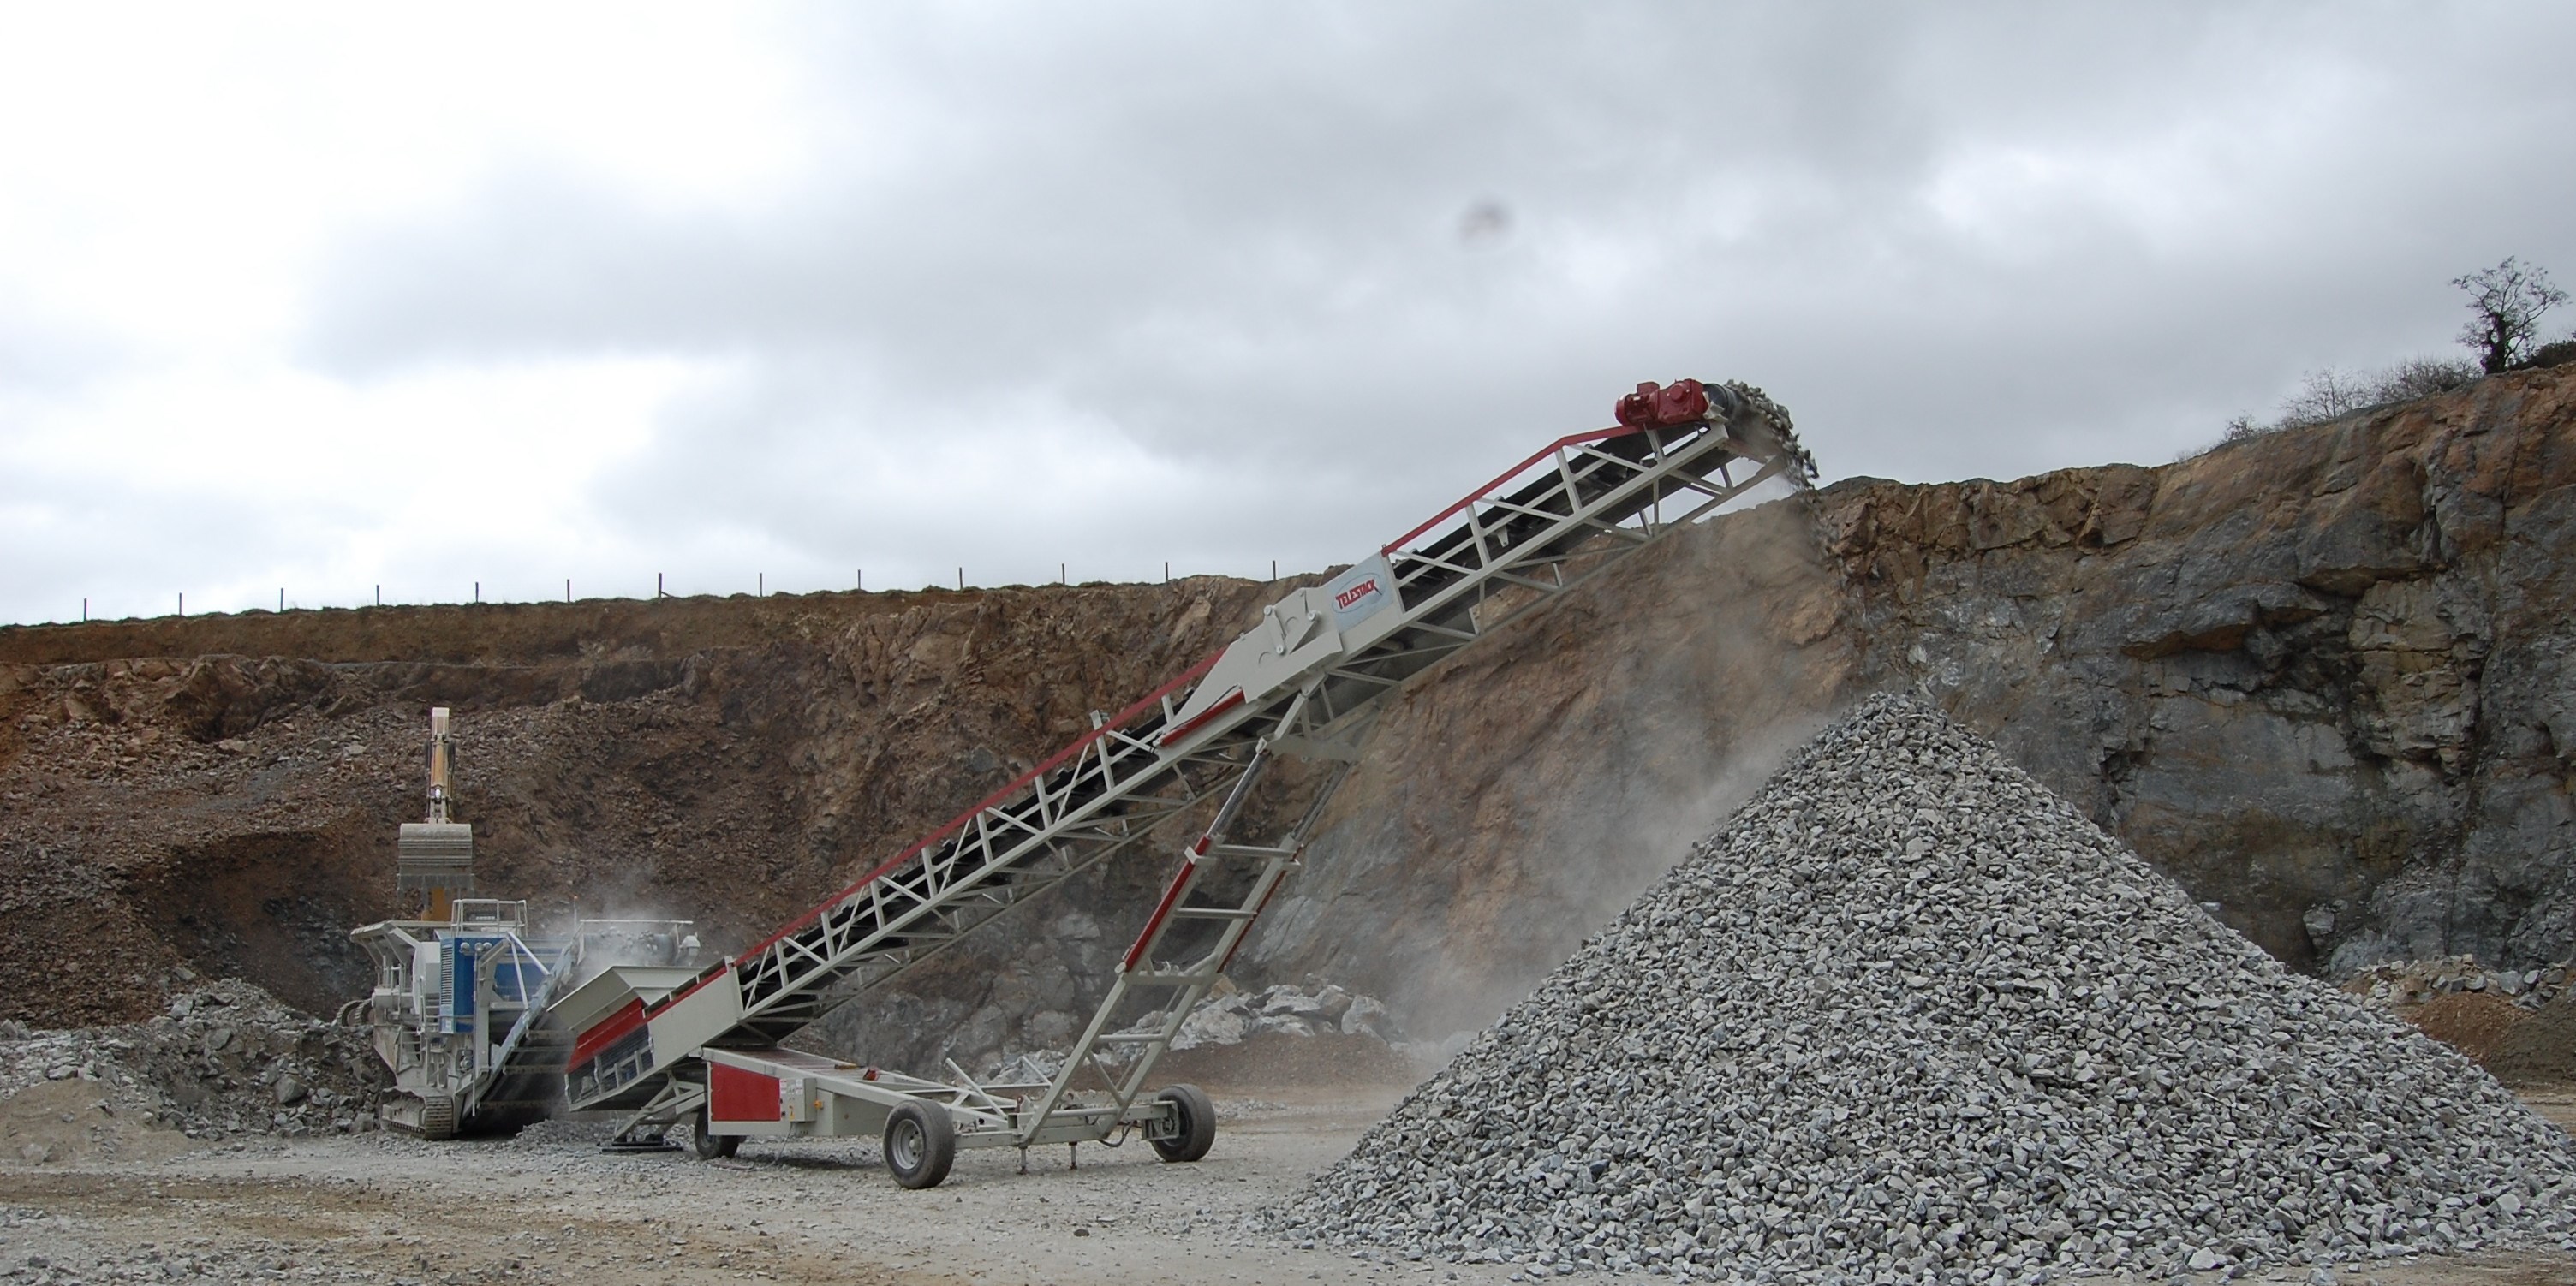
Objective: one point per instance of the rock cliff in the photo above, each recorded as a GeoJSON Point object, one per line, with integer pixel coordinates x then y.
{"type": "Point", "coordinates": [2322, 677]}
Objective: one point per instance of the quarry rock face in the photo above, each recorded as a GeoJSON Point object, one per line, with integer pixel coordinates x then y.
{"type": "Point", "coordinates": [2326, 679]}
{"type": "Point", "coordinates": [2323, 678]}
{"type": "Point", "coordinates": [1911, 1017]}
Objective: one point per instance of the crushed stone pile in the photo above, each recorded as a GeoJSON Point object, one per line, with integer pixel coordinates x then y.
{"type": "Point", "coordinates": [1287, 1009]}
{"type": "Point", "coordinates": [1266, 1025]}
{"type": "Point", "coordinates": [226, 1058]}
{"type": "Point", "coordinates": [1910, 1017]}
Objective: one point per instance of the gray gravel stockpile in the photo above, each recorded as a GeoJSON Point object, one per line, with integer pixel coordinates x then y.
{"type": "Point", "coordinates": [225, 1059]}
{"type": "Point", "coordinates": [1911, 1017]}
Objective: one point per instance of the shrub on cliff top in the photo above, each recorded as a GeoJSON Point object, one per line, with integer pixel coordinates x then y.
{"type": "Point", "coordinates": [2333, 392]}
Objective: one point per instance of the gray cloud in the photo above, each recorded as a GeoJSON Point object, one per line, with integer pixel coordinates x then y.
{"type": "Point", "coordinates": [45, 356]}
{"type": "Point", "coordinates": [1225, 247]}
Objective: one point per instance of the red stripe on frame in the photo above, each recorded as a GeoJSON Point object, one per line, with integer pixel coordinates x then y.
{"type": "Point", "coordinates": [608, 1031]}
{"type": "Point", "coordinates": [1054, 761]}
{"type": "Point", "coordinates": [1171, 894]}
{"type": "Point", "coordinates": [1224, 703]}
{"type": "Point", "coordinates": [1597, 435]}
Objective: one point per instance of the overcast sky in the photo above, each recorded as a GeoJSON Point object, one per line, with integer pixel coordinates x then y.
{"type": "Point", "coordinates": [336, 296]}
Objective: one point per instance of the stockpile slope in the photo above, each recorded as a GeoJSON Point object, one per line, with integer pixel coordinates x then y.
{"type": "Point", "coordinates": [1911, 1016]}
{"type": "Point", "coordinates": [224, 1059]}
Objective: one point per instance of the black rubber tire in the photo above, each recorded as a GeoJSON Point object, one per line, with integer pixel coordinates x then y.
{"type": "Point", "coordinates": [705, 1144]}
{"type": "Point", "coordinates": [920, 1144]}
{"type": "Point", "coordinates": [1198, 1124]}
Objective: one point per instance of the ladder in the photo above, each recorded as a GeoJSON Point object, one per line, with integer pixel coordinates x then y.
{"type": "Point", "coordinates": [1145, 970]}
{"type": "Point", "coordinates": [1305, 683]}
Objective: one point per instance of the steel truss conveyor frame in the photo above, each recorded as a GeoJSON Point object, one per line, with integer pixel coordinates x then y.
{"type": "Point", "coordinates": [1303, 683]}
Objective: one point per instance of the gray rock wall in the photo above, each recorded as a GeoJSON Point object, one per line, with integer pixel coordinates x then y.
{"type": "Point", "coordinates": [2318, 677]}
{"type": "Point", "coordinates": [2321, 678]}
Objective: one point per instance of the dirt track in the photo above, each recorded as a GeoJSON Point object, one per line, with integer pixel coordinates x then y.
{"type": "Point", "coordinates": [388, 1209]}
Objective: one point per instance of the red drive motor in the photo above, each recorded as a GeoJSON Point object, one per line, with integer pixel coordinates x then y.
{"type": "Point", "coordinates": [1658, 407]}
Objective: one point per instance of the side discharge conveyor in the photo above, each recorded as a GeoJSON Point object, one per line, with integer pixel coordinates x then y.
{"type": "Point", "coordinates": [699, 1051]}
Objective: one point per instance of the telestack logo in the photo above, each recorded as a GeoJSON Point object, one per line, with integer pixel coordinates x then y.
{"type": "Point", "coordinates": [1361, 592]}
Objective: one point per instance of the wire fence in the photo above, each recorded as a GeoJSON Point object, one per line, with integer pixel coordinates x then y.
{"type": "Point", "coordinates": [661, 590]}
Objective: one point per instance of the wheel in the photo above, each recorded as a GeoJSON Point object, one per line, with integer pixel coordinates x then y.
{"type": "Point", "coordinates": [705, 1143]}
{"type": "Point", "coordinates": [1195, 1116]}
{"type": "Point", "coordinates": [920, 1144]}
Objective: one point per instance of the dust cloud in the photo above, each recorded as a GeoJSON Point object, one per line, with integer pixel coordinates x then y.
{"type": "Point", "coordinates": [618, 931]}
{"type": "Point", "coordinates": [1521, 794]}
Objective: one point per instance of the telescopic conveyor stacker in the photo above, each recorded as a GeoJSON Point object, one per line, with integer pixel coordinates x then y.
{"type": "Point", "coordinates": [703, 1054]}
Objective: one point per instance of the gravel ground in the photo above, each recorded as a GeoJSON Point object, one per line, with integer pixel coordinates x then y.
{"type": "Point", "coordinates": [387, 1209]}
{"type": "Point", "coordinates": [551, 1207]}
{"type": "Point", "coordinates": [1910, 1017]}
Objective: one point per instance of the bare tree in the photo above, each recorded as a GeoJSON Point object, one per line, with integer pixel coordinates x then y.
{"type": "Point", "coordinates": [2333, 392]}
{"type": "Point", "coordinates": [2420, 377]}
{"type": "Point", "coordinates": [2506, 303]}
{"type": "Point", "coordinates": [2325, 394]}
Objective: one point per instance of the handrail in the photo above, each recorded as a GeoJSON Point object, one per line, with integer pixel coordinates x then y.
{"type": "Point", "coordinates": [1571, 439]}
